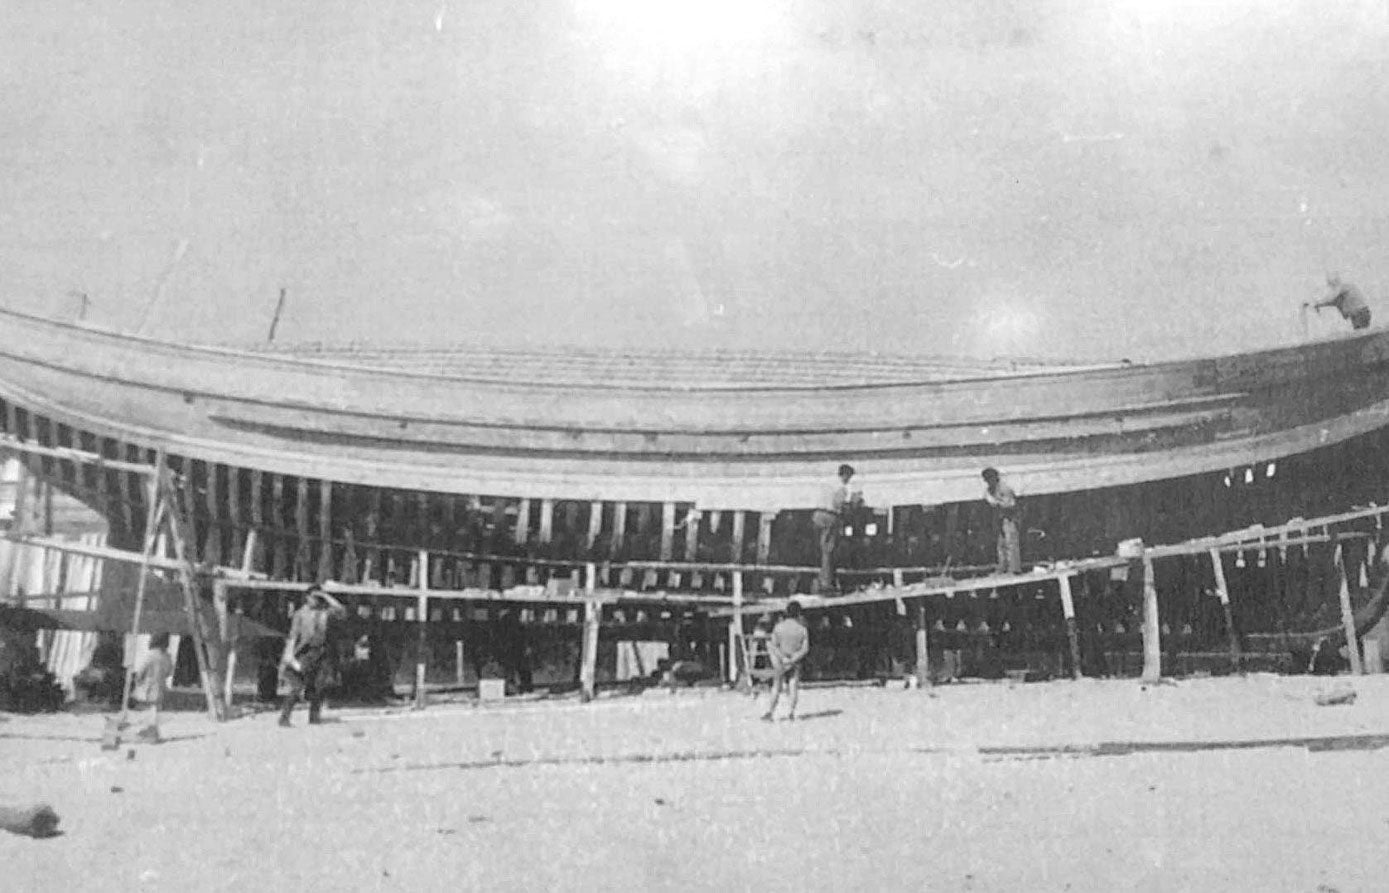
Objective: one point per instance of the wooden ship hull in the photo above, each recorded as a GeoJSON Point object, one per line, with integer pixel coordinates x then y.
{"type": "Point", "coordinates": [516, 469]}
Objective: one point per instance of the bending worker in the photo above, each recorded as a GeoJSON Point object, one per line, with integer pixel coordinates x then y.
{"type": "Point", "coordinates": [1347, 299]}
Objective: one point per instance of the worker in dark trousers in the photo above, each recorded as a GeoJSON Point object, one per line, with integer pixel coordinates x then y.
{"type": "Point", "coordinates": [836, 503]}
{"type": "Point", "coordinates": [306, 661]}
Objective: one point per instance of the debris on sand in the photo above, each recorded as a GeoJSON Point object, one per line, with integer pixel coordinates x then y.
{"type": "Point", "coordinates": [1336, 697]}
{"type": "Point", "coordinates": [30, 821]}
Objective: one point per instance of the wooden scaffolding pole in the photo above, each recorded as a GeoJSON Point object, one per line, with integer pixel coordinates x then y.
{"type": "Point", "coordinates": [153, 516]}
{"type": "Point", "coordinates": [1357, 666]}
{"type": "Point", "coordinates": [593, 610]}
{"type": "Point", "coordinates": [1152, 627]}
{"type": "Point", "coordinates": [1068, 610]}
{"type": "Point", "coordinates": [1222, 592]}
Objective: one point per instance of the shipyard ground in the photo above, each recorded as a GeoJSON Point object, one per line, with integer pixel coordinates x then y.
{"type": "Point", "coordinates": [1210, 784]}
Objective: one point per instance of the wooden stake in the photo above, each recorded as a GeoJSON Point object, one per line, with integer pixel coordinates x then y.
{"type": "Point", "coordinates": [1357, 666]}
{"type": "Point", "coordinates": [1222, 592]}
{"type": "Point", "coordinates": [422, 624]}
{"type": "Point", "coordinates": [1152, 628]}
{"type": "Point", "coordinates": [1068, 610]}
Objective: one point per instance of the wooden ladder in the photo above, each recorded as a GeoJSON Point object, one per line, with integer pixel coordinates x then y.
{"type": "Point", "coordinates": [204, 644]}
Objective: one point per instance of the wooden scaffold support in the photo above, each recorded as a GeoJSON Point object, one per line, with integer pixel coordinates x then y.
{"type": "Point", "coordinates": [1357, 666]}
{"type": "Point", "coordinates": [1222, 592]}
{"type": "Point", "coordinates": [1068, 611]}
{"type": "Point", "coordinates": [593, 611]}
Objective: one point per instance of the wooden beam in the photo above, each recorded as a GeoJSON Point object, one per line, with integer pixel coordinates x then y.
{"type": "Point", "coordinates": [96, 459]}
{"type": "Point", "coordinates": [667, 531]}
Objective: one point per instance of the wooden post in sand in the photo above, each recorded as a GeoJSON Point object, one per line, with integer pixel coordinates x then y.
{"type": "Point", "coordinates": [588, 670]}
{"type": "Point", "coordinates": [923, 656]}
{"type": "Point", "coordinates": [1222, 592]}
{"type": "Point", "coordinates": [1357, 667]}
{"type": "Point", "coordinates": [1152, 627]}
{"type": "Point", "coordinates": [735, 629]}
{"type": "Point", "coordinates": [1068, 610]}
{"type": "Point", "coordinates": [422, 624]}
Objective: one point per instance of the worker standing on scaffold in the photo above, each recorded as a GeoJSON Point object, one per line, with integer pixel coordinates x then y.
{"type": "Point", "coordinates": [998, 494]}
{"type": "Point", "coordinates": [838, 500]}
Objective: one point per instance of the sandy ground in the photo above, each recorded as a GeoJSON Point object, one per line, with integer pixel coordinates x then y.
{"type": "Point", "coordinates": [1059, 786]}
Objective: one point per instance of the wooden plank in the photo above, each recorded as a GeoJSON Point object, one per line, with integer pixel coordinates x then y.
{"type": "Point", "coordinates": [667, 531]}
{"type": "Point", "coordinates": [325, 530]}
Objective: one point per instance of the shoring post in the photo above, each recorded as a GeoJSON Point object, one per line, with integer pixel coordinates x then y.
{"type": "Point", "coordinates": [154, 511]}
{"type": "Point", "coordinates": [735, 630]}
{"type": "Point", "coordinates": [1068, 610]}
{"type": "Point", "coordinates": [224, 629]}
{"type": "Point", "coordinates": [421, 624]}
{"type": "Point", "coordinates": [588, 670]}
{"type": "Point", "coordinates": [1222, 592]}
{"type": "Point", "coordinates": [1357, 666]}
{"type": "Point", "coordinates": [923, 655]}
{"type": "Point", "coordinates": [1152, 627]}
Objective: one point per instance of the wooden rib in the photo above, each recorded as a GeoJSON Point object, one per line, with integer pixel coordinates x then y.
{"type": "Point", "coordinates": [595, 522]}
{"type": "Point", "coordinates": [547, 519]}
{"type": "Point", "coordinates": [212, 540]}
{"type": "Point", "coordinates": [303, 553]}
{"type": "Point", "coordinates": [667, 530]}
{"type": "Point", "coordinates": [235, 521]}
{"type": "Point", "coordinates": [258, 519]}
{"type": "Point", "coordinates": [325, 530]}
{"type": "Point", "coordinates": [619, 527]}
{"type": "Point", "coordinates": [692, 522]}
{"type": "Point", "coordinates": [739, 531]}
{"type": "Point", "coordinates": [523, 522]}
{"type": "Point", "coordinates": [374, 569]}
{"type": "Point", "coordinates": [764, 537]}
{"type": "Point", "coordinates": [279, 562]}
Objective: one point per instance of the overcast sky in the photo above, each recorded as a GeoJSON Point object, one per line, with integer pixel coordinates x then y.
{"type": "Point", "coordinates": [979, 177]}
